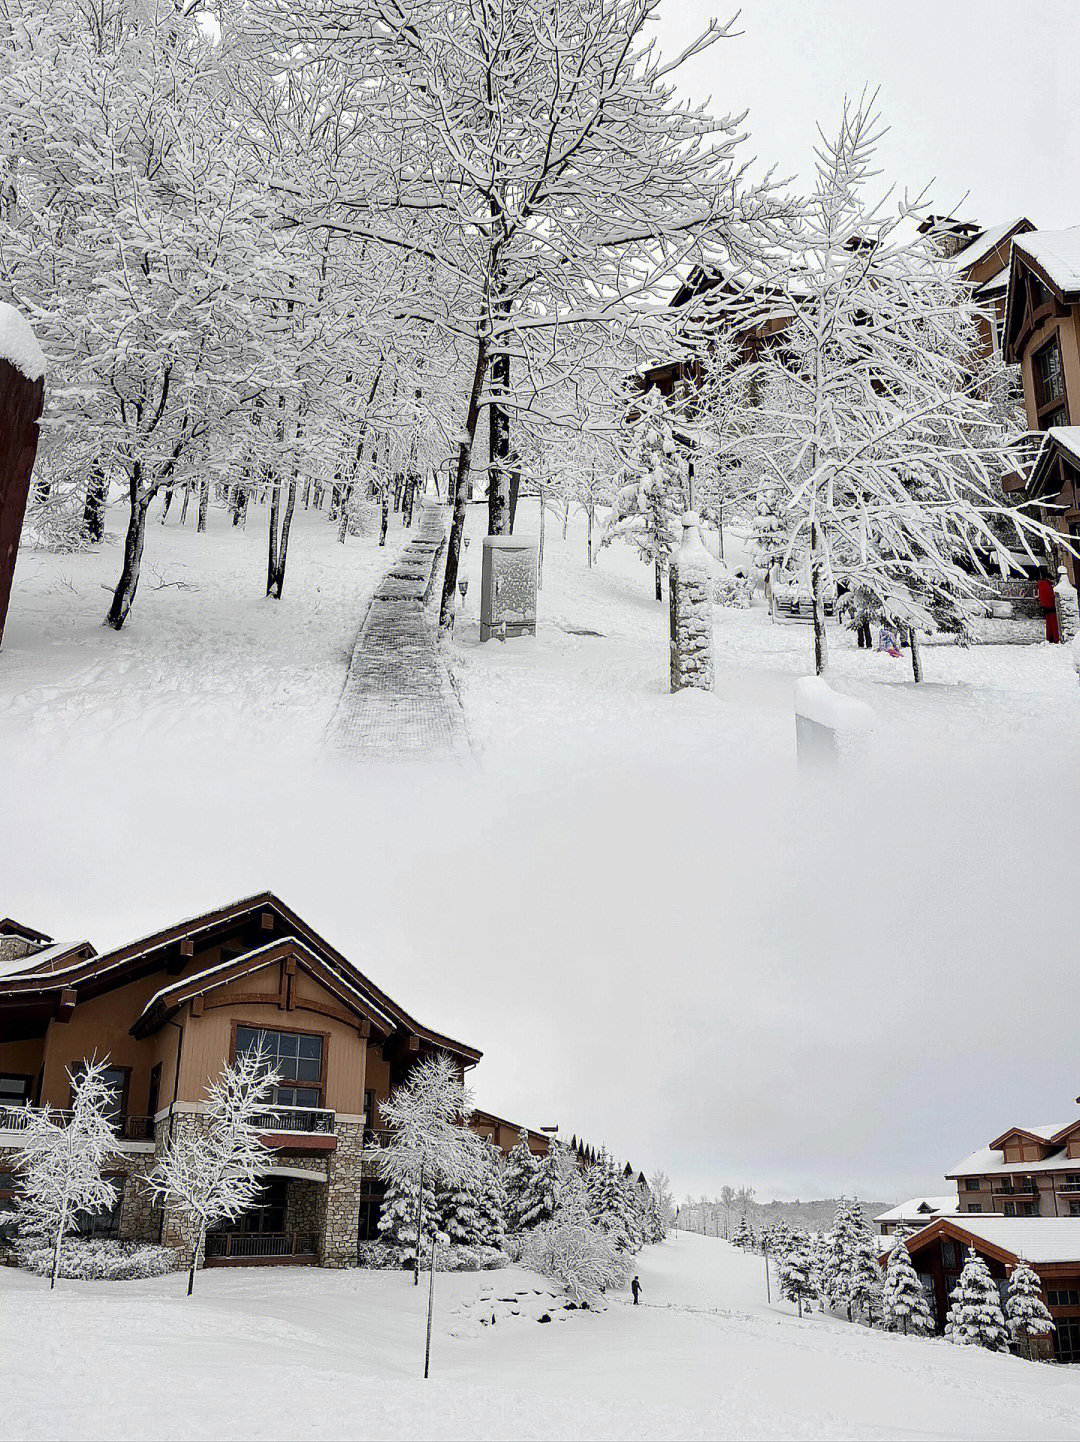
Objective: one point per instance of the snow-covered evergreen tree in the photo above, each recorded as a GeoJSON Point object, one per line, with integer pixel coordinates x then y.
{"type": "Point", "coordinates": [458, 1206]}
{"type": "Point", "coordinates": [491, 1198]}
{"type": "Point", "coordinates": [211, 1167]}
{"type": "Point", "coordinates": [743, 1235]}
{"type": "Point", "coordinates": [59, 1161]}
{"type": "Point", "coordinates": [399, 1214]}
{"type": "Point", "coordinates": [904, 1306]}
{"type": "Point", "coordinates": [796, 1272]}
{"type": "Point", "coordinates": [571, 1248]}
{"type": "Point", "coordinates": [519, 1181]}
{"type": "Point", "coordinates": [975, 1318]}
{"type": "Point", "coordinates": [1026, 1313]}
{"type": "Point", "coordinates": [608, 1202]}
{"type": "Point", "coordinates": [866, 1281]}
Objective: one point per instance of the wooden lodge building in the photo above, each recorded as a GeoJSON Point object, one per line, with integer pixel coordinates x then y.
{"type": "Point", "coordinates": [169, 1011]}
{"type": "Point", "coordinates": [1018, 1199]}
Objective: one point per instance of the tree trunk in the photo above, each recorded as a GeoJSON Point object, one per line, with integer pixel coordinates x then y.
{"type": "Point", "coordinates": [821, 645]}
{"type": "Point", "coordinates": [276, 579]}
{"type": "Point", "coordinates": [166, 503]}
{"type": "Point", "coordinates": [183, 508]}
{"type": "Point", "coordinates": [461, 489]}
{"type": "Point", "coordinates": [239, 505]}
{"type": "Point", "coordinates": [499, 521]}
{"type": "Point", "coordinates": [61, 1227]}
{"type": "Point", "coordinates": [124, 595]}
{"type": "Point", "coordinates": [97, 493]}
{"type": "Point", "coordinates": [272, 536]}
{"type": "Point", "coordinates": [344, 502]}
{"type": "Point", "coordinates": [200, 1243]}
{"type": "Point", "coordinates": [565, 518]}
{"type": "Point", "coordinates": [419, 1223]}
{"type": "Point", "coordinates": [515, 488]}
{"type": "Point", "coordinates": [204, 501]}
{"type": "Point", "coordinates": [588, 537]}
{"type": "Point", "coordinates": [540, 552]}
{"type": "Point", "coordinates": [430, 1304]}
{"type": "Point", "coordinates": [384, 522]}
{"type": "Point", "coordinates": [916, 655]}
{"type": "Point", "coordinates": [659, 579]}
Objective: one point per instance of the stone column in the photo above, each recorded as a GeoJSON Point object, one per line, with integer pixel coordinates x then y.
{"type": "Point", "coordinates": [1067, 608]}
{"type": "Point", "coordinates": [690, 598]}
{"type": "Point", "coordinates": [22, 395]}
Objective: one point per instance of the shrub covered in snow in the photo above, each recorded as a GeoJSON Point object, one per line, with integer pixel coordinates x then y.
{"type": "Point", "coordinates": [383, 1256]}
{"type": "Point", "coordinates": [92, 1260]}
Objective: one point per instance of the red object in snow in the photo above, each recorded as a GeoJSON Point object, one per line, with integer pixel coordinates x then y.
{"type": "Point", "coordinates": [1048, 602]}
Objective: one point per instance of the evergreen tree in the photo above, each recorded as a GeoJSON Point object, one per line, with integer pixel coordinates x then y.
{"type": "Point", "coordinates": [459, 1212]}
{"type": "Point", "coordinates": [904, 1307]}
{"type": "Point", "coordinates": [1025, 1311]}
{"type": "Point", "coordinates": [768, 536]}
{"type": "Point", "coordinates": [541, 1188]}
{"type": "Point", "coordinates": [744, 1235]}
{"type": "Point", "coordinates": [397, 1217]}
{"type": "Point", "coordinates": [521, 1169]}
{"type": "Point", "coordinates": [866, 1283]}
{"type": "Point", "coordinates": [798, 1279]}
{"type": "Point", "coordinates": [780, 1238]}
{"type": "Point", "coordinates": [975, 1318]}
{"type": "Point", "coordinates": [607, 1202]}
{"type": "Point", "coordinates": [491, 1201]}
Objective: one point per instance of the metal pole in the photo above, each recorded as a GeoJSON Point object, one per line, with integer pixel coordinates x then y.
{"type": "Point", "coordinates": [768, 1289]}
{"type": "Point", "coordinates": [430, 1300]}
{"type": "Point", "coordinates": [419, 1220]}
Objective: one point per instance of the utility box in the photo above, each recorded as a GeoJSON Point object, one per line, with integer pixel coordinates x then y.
{"type": "Point", "coordinates": [508, 587]}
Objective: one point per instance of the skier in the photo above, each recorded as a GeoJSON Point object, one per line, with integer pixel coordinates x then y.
{"type": "Point", "coordinates": [635, 1287]}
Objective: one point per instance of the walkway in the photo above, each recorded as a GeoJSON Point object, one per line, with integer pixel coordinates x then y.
{"type": "Point", "coordinates": [398, 702]}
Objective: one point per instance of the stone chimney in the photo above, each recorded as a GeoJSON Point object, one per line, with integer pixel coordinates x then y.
{"type": "Point", "coordinates": [17, 940]}
{"type": "Point", "coordinates": [949, 235]}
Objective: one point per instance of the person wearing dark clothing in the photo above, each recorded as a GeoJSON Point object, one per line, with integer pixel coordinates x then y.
{"type": "Point", "coordinates": [635, 1287]}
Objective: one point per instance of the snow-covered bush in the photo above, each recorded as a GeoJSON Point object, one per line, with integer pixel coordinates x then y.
{"type": "Point", "coordinates": [384, 1257]}
{"type": "Point", "coordinates": [576, 1254]}
{"type": "Point", "coordinates": [98, 1260]}
{"type": "Point", "coordinates": [379, 1256]}
{"type": "Point", "coordinates": [730, 590]}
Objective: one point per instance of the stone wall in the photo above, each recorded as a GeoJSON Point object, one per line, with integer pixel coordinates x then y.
{"type": "Point", "coordinates": [690, 596]}
{"type": "Point", "coordinates": [350, 1163]}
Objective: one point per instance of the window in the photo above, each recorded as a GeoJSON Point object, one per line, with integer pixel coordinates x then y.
{"type": "Point", "coordinates": [948, 1254]}
{"type": "Point", "coordinates": [370, 1206]}
{"type": "Point", "coordinates": [102, 1224]}
{"type": "Point", "coordinates": [1049, 378]}
{"type": "Point", "coordinates": [8, 1183]}
{"type": "Point", "coordinates": [1074, 1209]}
{"type": "Point", "coordinates": [116, 1079]}
{"type": "Point", "coordinates": [14, 1090]}
{"type": "Point", "coordinates": [973, 1184]}
{"type": "Point", "coordinates": [1064, 1297]}
{"type": "Point", "coordinates": [297, 1057]}
{"type": "Point", "coordinates": [975, 1207]}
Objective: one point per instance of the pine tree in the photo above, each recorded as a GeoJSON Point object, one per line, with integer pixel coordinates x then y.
{"type": "Point", "coordinates": [744, 1235]}
{"type": "Point", "coordinates": [768, 537]}
{"type": "Point", "coordinates": [491, 1200]}
{"type": "Point", "coordinates": [518, 1180]}
{"type": "Point", "coordinates": [1025, 1311]}
{"type": "Point", "coordinates": [798, 1279]}
{"type": "Point", "coordinates": [866, 1281]}
{"type": "Point", "coordinates": [458, 1206]}
{"type": "Point", "coordinates": [780, 1239]}
{"type": "Point", "coordinates": [975, 1318]}
{"type": "Point", "coordinates": [608, 1203]}
{"type": "Point", "coordinates": [904, 1307]}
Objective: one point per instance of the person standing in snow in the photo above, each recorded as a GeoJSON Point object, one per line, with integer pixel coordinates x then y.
{"type": "Point", "coordinates": [635, 1287]}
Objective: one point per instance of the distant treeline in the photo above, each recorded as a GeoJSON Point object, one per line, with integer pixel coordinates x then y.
{"type": "Point", "coordinates": [719, 1216]}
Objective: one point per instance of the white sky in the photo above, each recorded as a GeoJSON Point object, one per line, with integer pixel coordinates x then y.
{"type": "Point", "coordinates": [981, 99]}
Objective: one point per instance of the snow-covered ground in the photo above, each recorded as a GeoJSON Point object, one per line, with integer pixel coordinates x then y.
{"type": "Point", "coordinates": [270, 1353]}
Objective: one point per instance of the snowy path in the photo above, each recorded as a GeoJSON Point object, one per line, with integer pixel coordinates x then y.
{"type": "Point", "coordinates": [266, 1353]}
{"type": "Point", "coordinates": [398, 701]}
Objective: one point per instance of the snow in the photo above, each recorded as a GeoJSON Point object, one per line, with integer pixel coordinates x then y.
{"type": "Point", "coordinates": [817, 701]}
{"type": "Point", "coordinates": [1057, 251]}
{"type": "Point", "coordinates": [36, 960]}
{"type": "Point", "coordinates": [921, 1209]}
{"type": "Point", "coordinates": [983, 244]}
{"type": "Point", "coordinates": [19, 345]}
{"type": "Point", "coordinates": [1067, 437]}
{"type": "Point", "coordinates": [306, 1353]}
{"type": "Point", "coordinates": [987, 1159]}
{"type": "Point", "coordinates": [1035, 1239]}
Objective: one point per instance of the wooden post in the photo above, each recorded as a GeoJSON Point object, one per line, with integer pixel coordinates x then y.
{"type": "Point", "coordinates": [22, 396]}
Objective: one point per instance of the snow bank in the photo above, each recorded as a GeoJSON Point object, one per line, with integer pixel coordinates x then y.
{"type": "Point", "coordinates": [18, 344]}
{"type": "Point", "coordinates": [817, 701]}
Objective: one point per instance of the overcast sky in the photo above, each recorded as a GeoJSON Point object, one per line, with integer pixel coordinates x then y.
{"type": "Point", "coordinates": [981, 97]}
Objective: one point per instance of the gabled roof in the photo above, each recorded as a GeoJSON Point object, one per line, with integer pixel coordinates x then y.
{"type": "Point", "coordinates": [164, 1004]}
{"type": "Point", "coordinates": [1053, 256]}
{"type": "Point", "coordinates": [47, 960]}
{"type": "Point", "coordinates": [95, 974]}
{"type": "Point", "coordinates": [1058, 443]}
{"type": "Point", "coordinates": [922, 1209]}
{"type": "Point", "coordinates": [987, 241]}
{"type": "Point", "coordinates": [1042, 1135]}
{"type": "Point", "coordinates": [10, 927]}
{"type": "Point", "coordinates": [1010, 1239]}
{"type": "Point", "coordinates": [991, 1158]}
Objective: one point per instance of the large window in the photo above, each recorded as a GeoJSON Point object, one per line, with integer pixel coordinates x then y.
{"type": "Point", "coordinates": [1049, 375]}
{"type": "Point", "coordinates": [116, 1079]}
{"type": "Point", "coordinates": [14, 1090]}
{"type": "Point", "coordinates": [297, 1057]}
{"type": "Point", "coordinates": [8, 1184]}
{"type": "Point", "coordinates": [106, 1223]}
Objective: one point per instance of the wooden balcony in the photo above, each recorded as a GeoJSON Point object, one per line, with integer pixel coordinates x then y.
{"type": "Point", "coordinates": [127, 1128]}
{"type": "Point", "coordinates": [304, 1129]}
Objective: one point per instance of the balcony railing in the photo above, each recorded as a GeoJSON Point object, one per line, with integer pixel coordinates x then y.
{"type": "Point", "coordinates": [296, 1119]}
{"type": "Point", "coordinates": [224, 1245]}
{"type": "Point", "coordinates": [1015, 1191]}
{"type": "Point", "coordinates": [377, 1137]}
{"type": "Point", "coordinates": [1067, 1187]}
{"type": "Point", "coordinates": [128, 1129]}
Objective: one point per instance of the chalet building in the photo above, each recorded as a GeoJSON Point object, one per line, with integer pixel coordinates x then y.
{"type": "Point", "coordinates": [916, 1212]}
{"type": "Point", "coordinates": [170, 1010]}
{"type": "Point", "coordinates": [1049, 1245]}
{"type": "Point", "coordinates": [1026, 1172]}
{"type": "Point", "coordinates": [1041, 334]}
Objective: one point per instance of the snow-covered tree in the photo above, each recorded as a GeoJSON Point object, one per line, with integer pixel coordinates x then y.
{"type": "Point", "coordinates": [840, 1253]}
{"type": "Point", "coordinates": [648, 508]}
{"type": "Point", "coordinates": [904, 1307]}
{"type": "Point", "coordinates": [401, 1212]}
{"type": "Point", "coordinates": [431, 1145]}
{"type": "Point", "coordinates": [571, 1248]}
{"type": "Point", "coordinates": [743, 1235]}
{"type": "Point", "coordinates": [865, 1278]}
{"type": "Point", "coordinates": [975, 1318]}
{"type": "Point", "coordinates": [797, 1275]}
{"type": "Point", "coordinates": [1026, 1314]}
{"type": "Point", "coordinates": [519, 1181]}
{"type": "Point", "coordinates": [59, 1160]}
{"type": "Point", "coordinates": [768, 534]}
{"type": "Point", "coordinates": [210, 1170]}
{"type": "Point", "coordinates": [662, 1206]}
{"type": "Point", "coordinates": [608, 1202]}
{"type": "Point", "coordinates": [873, 421]}
{"type": "Point", "coordinates": [491, 1198]}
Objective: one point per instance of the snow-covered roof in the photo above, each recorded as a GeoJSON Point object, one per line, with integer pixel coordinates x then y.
{"type": "Point", "coordinates": [23, 965]}
{"type": "Point", "coordinates": [921, 1209]}
{"type": "Point", "coordinates": [985, 244]}
{"type": "Point", "coordinates": [1067, 437]}
{"type": "Point", "coordinates": [997, 284]}
{"type": "Point", "coordinates": [1036, 1239]}
{"type": "Point", "coordinates": [988, 1159]}
{"type": "Point", "coordinates": [18, 344]}
{"type": "Point", "coordinates": [1057, 252]}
